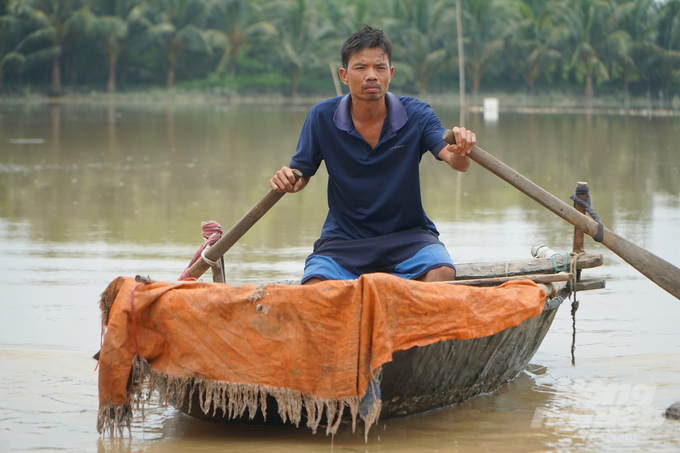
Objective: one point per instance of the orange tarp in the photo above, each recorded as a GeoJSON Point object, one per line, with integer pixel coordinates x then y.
{"type": "Point", "coordinates": [320, 344]}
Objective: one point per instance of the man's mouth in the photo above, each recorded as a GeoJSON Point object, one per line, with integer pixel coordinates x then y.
{"type": "Point", "coordinates": [372, 88]}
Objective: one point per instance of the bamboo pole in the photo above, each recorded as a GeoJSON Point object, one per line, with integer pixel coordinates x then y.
{"type": "Point", "coordinates": [461, 57]}
{"type": "Point", "coordinates": [336, 79]}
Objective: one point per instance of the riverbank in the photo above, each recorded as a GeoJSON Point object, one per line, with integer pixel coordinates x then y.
{"type": "Point", "coordinates": [225, 98]}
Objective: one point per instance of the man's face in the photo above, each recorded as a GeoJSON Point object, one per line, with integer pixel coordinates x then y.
{"type": "Point", "coordinates": [368, 74]}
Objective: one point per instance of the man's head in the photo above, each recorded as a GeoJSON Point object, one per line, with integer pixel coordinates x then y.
{"type": "Point", "coordinates": [366, 37]}
{"type": "Point", "coordinates": [366, 64]}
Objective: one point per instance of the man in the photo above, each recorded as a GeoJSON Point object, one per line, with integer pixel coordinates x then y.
{"type": "Point", "coordinates": [372, 142]}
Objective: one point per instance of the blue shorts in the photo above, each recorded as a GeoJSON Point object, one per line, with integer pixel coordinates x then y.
{"type": "Point", "coordinates": [425, 259]}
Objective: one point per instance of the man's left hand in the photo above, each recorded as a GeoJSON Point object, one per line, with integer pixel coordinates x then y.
{"type": "Point", "coordinates": [456, 155]}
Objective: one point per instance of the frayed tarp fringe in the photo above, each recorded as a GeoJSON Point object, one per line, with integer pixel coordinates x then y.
{"type": "Point", "coordinates": [113, 419]}
{"type": "Point", "coordinates": [232, 399]}
{"type": "Point", "coordinates": [107, 297]}
{"type": "Point", "coordinates": [316, 349]}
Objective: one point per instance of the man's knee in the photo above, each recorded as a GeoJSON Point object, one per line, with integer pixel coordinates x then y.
{"type": "Point", "coordinates": [312, 280]}
{"type": "Point", "coordinates": [439, 274]}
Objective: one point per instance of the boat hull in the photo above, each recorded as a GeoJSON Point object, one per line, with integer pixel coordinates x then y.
{"type": "Point", "coordinates": [441, 374]}
{"type": "Point", "coordinates": [421, 379]}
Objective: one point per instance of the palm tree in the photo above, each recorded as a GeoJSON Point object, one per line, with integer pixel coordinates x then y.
{"type": "Point", "coordinates": [177, 25]}
{"type": "Point", "coordinates": [54, 21]}
{"type": "Point", "coordinates": [302, 38]}
{"type": "Point", "coordinates": [237, 28]}
{"type": "Point", "coordinates": [12, 31]}
{"type": "Point", "coordinates": [117, 21]}
{"type": "Point", "coordinates": [347, 17]}
{"type": "Point", "coordinates": [419, 28]}
{"type": "Point", "coordinates": [534, 43]}
{"type": "Point", "coordinates": [631, 28]}
{"type": "Point", "coordinates": [487, 26]}
{"type": "Point", "coordinates": [584, 22]}
{"type": "Point", "coordinates": [664, 57]}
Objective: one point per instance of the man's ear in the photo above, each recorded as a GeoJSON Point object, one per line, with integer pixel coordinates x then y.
{"type": "Point", "coordinates": [343, 75]}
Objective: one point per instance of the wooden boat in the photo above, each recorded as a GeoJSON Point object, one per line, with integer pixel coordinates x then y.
{"type": "Point", "coordinates": [425, 378]}
{"type": "Point", "coordinates": [444, 373]}
{"type": "Point", "coordinates": [415, 380]}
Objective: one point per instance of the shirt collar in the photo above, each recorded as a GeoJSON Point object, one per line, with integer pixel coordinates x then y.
{"type": "Point", "coordinates": [396, 113]}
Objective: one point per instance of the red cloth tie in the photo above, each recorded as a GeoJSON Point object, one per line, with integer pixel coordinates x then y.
{"type": "Point", "coordinates": [212, 232]}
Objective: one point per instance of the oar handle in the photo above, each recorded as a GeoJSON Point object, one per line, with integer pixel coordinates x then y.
{"type": "Point", "coordinates": [658, 270]}
{"type": "Point", "coordinates": [232, 236]}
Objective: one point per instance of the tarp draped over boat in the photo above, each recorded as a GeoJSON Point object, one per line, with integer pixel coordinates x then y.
{"type": "Point", "coordinates": [312, 346]}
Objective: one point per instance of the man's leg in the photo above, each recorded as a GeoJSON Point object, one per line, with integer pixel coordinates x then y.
{"type": "Point", "coordinates": [319, 268]}
{"type": "Point", "coordinates": [432, 263]}
{"type": "Point", "coordinates": [439, 274]}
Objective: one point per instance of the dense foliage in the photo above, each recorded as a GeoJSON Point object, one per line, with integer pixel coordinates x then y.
{"type": "Point", "coordinates": [585, 46]}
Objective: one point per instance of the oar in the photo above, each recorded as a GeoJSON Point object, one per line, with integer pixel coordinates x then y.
{"type": "Point", "coordinates": [661, 272]}
{"type": "Point", "coordinates": [232, 236]}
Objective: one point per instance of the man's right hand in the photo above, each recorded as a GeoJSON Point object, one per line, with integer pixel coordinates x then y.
{"type": "Point", "coordinates": [284, 179]}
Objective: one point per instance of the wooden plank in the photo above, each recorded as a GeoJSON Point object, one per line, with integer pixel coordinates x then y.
{"type": "Point", "coordinates": [466, 271]}
{"type": "Point", "coordinates": [537, 278]}
{"type": "Point", "coordinates": [518, 268]}
{"type": "Point", "coordinates": [590, 284]}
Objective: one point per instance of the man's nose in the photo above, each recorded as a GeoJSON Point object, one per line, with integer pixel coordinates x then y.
{"type": "Point", "coordinates": [371, 74]}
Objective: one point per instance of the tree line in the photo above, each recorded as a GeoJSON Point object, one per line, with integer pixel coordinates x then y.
{"type": "Point", "coordinates": [588, 46]}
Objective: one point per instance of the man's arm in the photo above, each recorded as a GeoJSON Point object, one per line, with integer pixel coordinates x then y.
{"type": "Point", "coordinates": [456, 155]}
{"type": "Point", "coordinates": [284, 179]}
{"type": "Point", "coordinates": [307, 158]}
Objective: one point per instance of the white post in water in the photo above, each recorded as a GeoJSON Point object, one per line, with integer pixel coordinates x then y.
{"type": "Point", "coordinates": [491, 110]}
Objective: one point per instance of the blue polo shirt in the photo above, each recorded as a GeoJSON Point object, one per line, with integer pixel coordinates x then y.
{"type": "Point", "coordinates": [371, 191]}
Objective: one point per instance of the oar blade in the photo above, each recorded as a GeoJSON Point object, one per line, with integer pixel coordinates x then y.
{"type": "Point", "coordinates": [658, 270]}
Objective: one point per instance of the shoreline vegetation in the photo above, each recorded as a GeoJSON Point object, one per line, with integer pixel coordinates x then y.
{"type": "Point", "coordinates": [531, 54]}
{"type": "Point", "coordinates": [549, 103]}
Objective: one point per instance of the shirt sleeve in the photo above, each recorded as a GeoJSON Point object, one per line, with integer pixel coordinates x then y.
{"type": "Point", "coordinates": [432, 132]}
{"type": "Point", "coordinates": [308, 155]}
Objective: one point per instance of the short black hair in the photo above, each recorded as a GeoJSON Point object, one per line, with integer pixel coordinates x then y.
{"type": "Point", "coordinates": [365, 38]}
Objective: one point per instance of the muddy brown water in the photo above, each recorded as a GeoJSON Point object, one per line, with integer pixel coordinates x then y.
{"type": "Point", "coordinates": [90, 192]}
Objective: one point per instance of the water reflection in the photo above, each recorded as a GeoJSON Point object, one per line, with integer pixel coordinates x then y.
{"type": "Point", "coordinates": [144, 175]}
{"type": "Point", "coordinates": [510, 411]}
{"type": "Point", "coordinates": [535, 412]}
